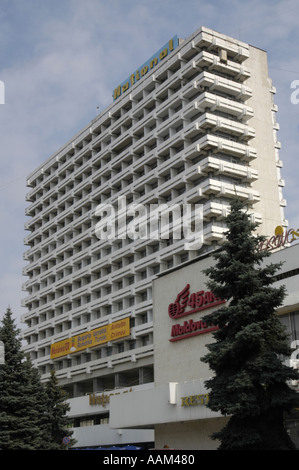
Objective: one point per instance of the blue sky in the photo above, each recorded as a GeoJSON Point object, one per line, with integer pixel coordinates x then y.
{"type": "Point", "coordinates": [60, 60]}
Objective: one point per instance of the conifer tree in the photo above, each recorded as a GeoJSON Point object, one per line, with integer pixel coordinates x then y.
{"type": "Point", "coordinates": [250, 382]}
{"type": "Point", "coordinates": [57, 408]}
{"type": "Point", "coordinates": [22, 397]}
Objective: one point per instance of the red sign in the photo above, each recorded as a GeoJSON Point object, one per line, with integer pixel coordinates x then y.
{"type": "Point", "coordinates": [188, 329]}
{"type": "Point", "coordinates": [196, 302]}
{"type": "Point", "coordinates": [280, 239]}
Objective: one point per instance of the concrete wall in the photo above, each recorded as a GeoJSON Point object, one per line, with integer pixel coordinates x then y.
{"type": "Point", "coordinates": [194, 435]}
{"type": "Point", "coordinates": [181, 360]}
{"type": "Point", "coordinates": [104, 435]}
{"type": "Point", "coordinates": [290, 258]}
{"type": "Point", "coordinates": [265, 141]}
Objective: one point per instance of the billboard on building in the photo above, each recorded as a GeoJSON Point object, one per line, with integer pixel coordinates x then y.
{"type": "Point", "coordinates": [89, 339]}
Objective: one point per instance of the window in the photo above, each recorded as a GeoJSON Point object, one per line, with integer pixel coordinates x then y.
{"type": "Point", "coordinates": [291, 322]}
{"type": "Point", "coordinates": [143, 296]}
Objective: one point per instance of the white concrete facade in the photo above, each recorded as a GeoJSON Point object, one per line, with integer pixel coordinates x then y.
{"type": "Point", "coordinates": [177, 412]}
{"type": "Point", "coordinates": [199, 128]}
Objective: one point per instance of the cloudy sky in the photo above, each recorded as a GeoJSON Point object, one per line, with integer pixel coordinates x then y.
{"type": "Point", "coordinates": [61, 59]}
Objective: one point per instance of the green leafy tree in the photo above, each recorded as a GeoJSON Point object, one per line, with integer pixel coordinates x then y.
{"type": "Point", "coordinates": [22, 397]}
{"type": "Point", "coordinates": [57, 408]}
{"type": "Point", "coordinates": [250, 382]}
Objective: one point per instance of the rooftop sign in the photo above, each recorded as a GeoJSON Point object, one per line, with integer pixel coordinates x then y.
{"type": "Point", "coordinates": [146, 67]}
{"type": "Point", "coordinates": [280, 239]}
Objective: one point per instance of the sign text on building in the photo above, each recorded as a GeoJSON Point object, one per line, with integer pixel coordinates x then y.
{"type": "Point", "coordinates": [104, 398]}
{"type": "Point", "coordinates": [88, 339]}
{"type": "Point", "coordinates": [146, 67]}
{"type": "Point", "coordinates": [280, 239]}
{"type": "Point", "coordinates": [194, 400]}
{"type": "Point", "coordinates": [196, 302]}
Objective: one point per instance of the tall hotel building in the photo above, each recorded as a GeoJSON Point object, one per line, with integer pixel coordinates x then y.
{"type": "Point", "coordinates": [196, 126]}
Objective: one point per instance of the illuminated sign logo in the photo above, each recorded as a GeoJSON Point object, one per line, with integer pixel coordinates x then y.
{"type": "Point", "coordinates": [279, 239]}
{"type": "Point", "coordinates": [146, 67]}
{"type": "Point", "coordinates": [88, 339]}
{"type": "Point", "coordinates": [198, 301]}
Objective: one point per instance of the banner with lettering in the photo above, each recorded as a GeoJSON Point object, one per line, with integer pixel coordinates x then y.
{"type": "Point", "coordinates": [89, 339]}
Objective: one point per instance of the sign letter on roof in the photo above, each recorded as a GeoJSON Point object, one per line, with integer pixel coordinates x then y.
{"type": "Point", "coordinates": [146, 67]}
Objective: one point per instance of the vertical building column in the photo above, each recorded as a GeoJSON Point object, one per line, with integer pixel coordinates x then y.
{"type": "Point", "coordinates": [78, 389]}
{"type": "Point", "coordinates": [120, 380]}
{"type": "Point", "coordinates": [97, 385]}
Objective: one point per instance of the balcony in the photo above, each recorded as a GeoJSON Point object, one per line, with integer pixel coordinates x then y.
{"type": "Point", "coordinates": [213, 123]}
{"type": "Point", "coordinates": [212, 164]}
{"type": "Point", "coordinates": [215, 143]}
{"type": "Point", "coordinates": [225, 105]}
{"type": "Point", "coordinates": [206, 59]}
{"type": "Point", "coordinates": [221, 189]}
{"type": "Point", "coordinates": [220, 211]}
{"type": "Point", "coordinates": [223, 85]}
{"type": "Point", "coordinates": [213, 233]}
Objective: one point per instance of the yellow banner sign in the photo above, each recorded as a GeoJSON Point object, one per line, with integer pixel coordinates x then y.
{"type": "Point", "coordinates": [89, 339]}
